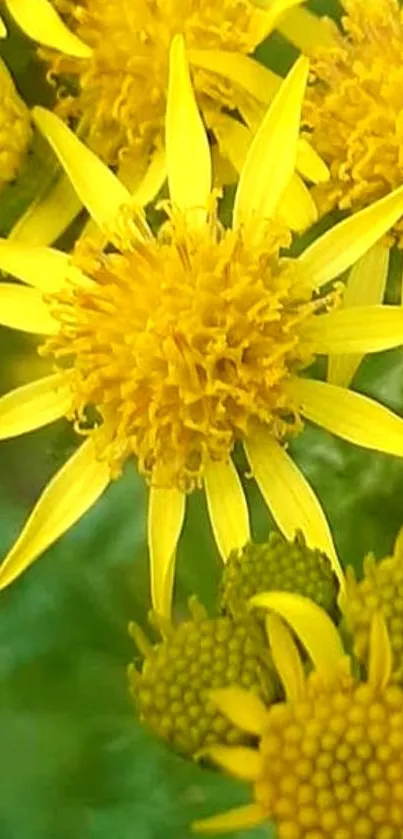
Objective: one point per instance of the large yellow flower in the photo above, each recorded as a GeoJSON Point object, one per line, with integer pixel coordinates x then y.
{"type": "Point", "coordinates": [174, 348]}
{"type": "Point", "coordinates": [329, 759]}
{"type": "Point", "coordinates": [111, 65]}
{"type": "Point", "coordinates": [353, 111]}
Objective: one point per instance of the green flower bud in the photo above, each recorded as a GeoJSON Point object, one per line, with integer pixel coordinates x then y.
{"type": "Point", "coordinates": [172, 690]}
{"type": "Point", "coordinates": [278, 565]}
{"type": "Point", "coordinates": [380, 590]}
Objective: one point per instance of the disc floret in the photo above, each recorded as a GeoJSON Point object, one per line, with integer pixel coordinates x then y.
{"type": "Point", "coordinates": [183, 344]}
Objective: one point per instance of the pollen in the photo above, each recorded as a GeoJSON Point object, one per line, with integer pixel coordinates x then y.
{"type": "Point", "coordinates": [332, 764]}
{"type": "Point", "coordinates": [381, 589]}
{"type": "Point", "coordinates": [119, 95]}
{"type": "Point", "coordinates": [354, 108]}
{"type": "Point", "coordinates": [15, 128]}
{"type": "Point", "coordinates": [181, 345]}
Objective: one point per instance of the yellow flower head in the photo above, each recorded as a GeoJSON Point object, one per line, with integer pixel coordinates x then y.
{"type": "Point", "coordinates": [116, 85]}
{"type": "Point", "coordinates": [329, 760]}
{"type": "Point", "coordinates": [15, 128]}
{"type": "Point", "coordinates": [174, 348]}
{"type": "Point", "coordinates": [381, 589]}
{"type": "Point", "coordinates": [354, 107]}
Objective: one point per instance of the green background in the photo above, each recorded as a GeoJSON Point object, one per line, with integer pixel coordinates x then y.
{"type": "Point", "coordinates": [73, 760]}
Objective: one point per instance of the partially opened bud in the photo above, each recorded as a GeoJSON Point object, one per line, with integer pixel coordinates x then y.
{"type": "Point", "coordinates": [278, 565]}
{"type": "Point", "coordinates": [173, 688]}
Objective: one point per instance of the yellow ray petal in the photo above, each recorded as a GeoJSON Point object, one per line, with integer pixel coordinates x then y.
{"type": "Point", "coordinates": [240, 818]}
{"type": "Point", "coordinates": [3, 30]}
{"type": "Point", "coordinates": [268, 15]}
{"type": "Point", "coordinates": [45, 269]}
{"type": "Point", "coordinates": [96, 186]}
{"type": "Point", "coordinates": [227, 507]}
{"type": "Point", "coordinates": [49, 215]}
{"type": "Point", "coordinates": [24, 308]}
{"type": "Point", "coordinates": [380, 653]}
{"type": "Point", "coordinates": [187, 147]}
{"type": "Point", "coordinates": [69, 495]}
{"type": "Point", "coordinates": [233, 138]}
{"type": "Point", "coordinates": [40, 22]}
{"type": "Point", "coordinates": [309, 164]}
{"type": "Point", "coordinates": [349, 415]}
{"type": "Point", "coordinates": [345, 243]}
{"type": "Point", "coordinates": [308, 31]}
{"type": "Point", "coordinates": [166, 513]}
{"type": "Point", "coordinates": [286, 657]}
{"type": "Point", "coordinates": [34, 405]}
{"type": "Point", "coordinates": [244, 709]}
{"type": "Point", "coordinates": [153, 178]}
{"type": "Point", "coordinates": [296, 207]}
{"type": "Point", "coordinates": [241, 761]}
{"type": "Point", "coordinates": [271, 159]}
{"type": "Point", "coordinates": [249, 74]}
{"type": "Point", "coordinates": [310, 623]}
{"type": "Point", "coordinates": [364, 329]}
{"type": "Point", "coordinates": [289, 497]}
{"type": "Point", "coordinates": [365, 285]}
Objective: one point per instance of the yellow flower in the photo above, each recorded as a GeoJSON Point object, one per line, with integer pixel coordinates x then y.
{"type": "Point", "coordinates": [380, 590]}
{"type": "Point", "coordinates": [353, 111]}
{"type": "Point", "coordinates": [15, 128]}
{"type": "Point", "coordinates": [329, 759]}
{"type": "Point", "coordinates": [181, 345]}
{"type": "Point", "coordinates": [112, 66]}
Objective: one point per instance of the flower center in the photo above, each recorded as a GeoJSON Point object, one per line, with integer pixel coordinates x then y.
{"type": "Point", "coordinates": [119, 94]}
{"type": "Point", "coordinates": [333, 765]}
{"type": "Point", "coordinates": [183, 344]}
{"type": "Point", "coordinates": [354, 107]}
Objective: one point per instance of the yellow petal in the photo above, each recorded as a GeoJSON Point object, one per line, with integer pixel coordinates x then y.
{"type": "Point", "coordinates": [286, 657]}
{"type": "Point", "coordinates": [69, 495]}
{"type": "Point", "coordinates": [380, 653]}
{"type": "Point", "coordinates": [349, 415]}
{"type": "Point", "coordinates": [365, 285]}
{"type": "Point", "coordinates": [240, 818]}
{"type": "Point", "coordinates": [96, 186]}
{"type": "Point", "coordinates": [244, 709]}
{"type": "Point", "coordinates": [272, 156]}
{"type": "Point", "coordinates": [249, 74]}
{"type": "Point", "coordinates": [24, 308]}
{"type": "Point", "coordinates": [150, 184]}
{"type": "Point", "coordinates": [233, 138]}
{"type": "Point", "coordinates": [3, 30]}
{"type": "Point", "coordinates": [308, 31]}
{"type": "Point", "coordinates": [34, 405]}
{"type": "Point", "coordinates": [227, 507]}
{"type": "Point", "coordinates": [187, 147]}
{"type": "Point", "coordinates": [269, 14]}
{"type": "Point", "coordinates": [45, 269]}
{"type": "Point", "coordinates": [346, 242]}
{"type": "Point", "coordinates": [310, 623]}
{"type": "Point", "coordinates": [49, 215]}
{"type": "Point", "coordinates": [309, 164]}
{"type": "Point", "coordinates": [290, 499]}
{"type": "Point", "coordinates": [166, 513]}
{"type": "Point", "coordinates": [296, 207]}
{"type": "Point", "coordinates": [363, 329]}
{"type": "Point", "coordinates": [39, 21]}
{"type": "Point", "coordinates": [241, 761]}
